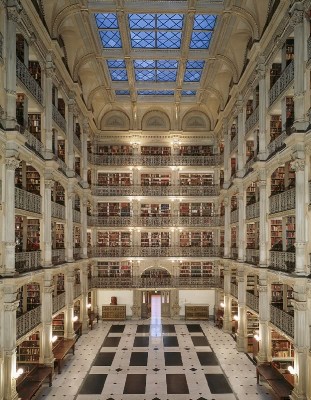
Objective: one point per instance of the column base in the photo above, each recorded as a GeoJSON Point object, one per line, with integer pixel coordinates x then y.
{"type": "Point", "coordinates": [241, 344]}
{"type": "Point", "coordinates": [49, 362]}
{"type": "Point", "coordinates": [296, 396]}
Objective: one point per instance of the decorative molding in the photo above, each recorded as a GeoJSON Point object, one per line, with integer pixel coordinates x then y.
{"type": "Point", "coordinates": [298, 165]}
{"type": "Point", "coordinates": [11, 163]}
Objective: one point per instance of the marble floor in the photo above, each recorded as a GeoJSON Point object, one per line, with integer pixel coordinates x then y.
{"type": "Point", "coordinates": [156, 359]}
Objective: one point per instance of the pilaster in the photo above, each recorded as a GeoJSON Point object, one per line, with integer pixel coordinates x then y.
{"type": "Point", "coordinates": [227, 235]}
{"type": "Point", "coordinates": [84, 227]}
{"type": "Point", "coordinates": [262, 123]}
{"type": "Point", "coordinates": [264, 353]}
{"type": "Point", "coordinates": [47, 238]}
{"type": "Point", "coordinates": [136, 308]}
{"type": "Point", "coordinates": [69, 225]}
{"type": "Point", "coordinates": [227, 327]}
{"type": "Point", "coordinates": [263, 239]}
{"type": "Point", "coordinates": [174, 304]}
{"type": "Point", "coordinates": [241, 342]}
{"type": "Point", "coordinates": [48, 119]}
{"type": "Point", "coordinates": [241, 134]}
{"type": "Point", "coordinates": [84, 300]}
{"type": "Point", "coordinates": [69, 290]}
{"type": "Point", "coordinates": [46, 317]}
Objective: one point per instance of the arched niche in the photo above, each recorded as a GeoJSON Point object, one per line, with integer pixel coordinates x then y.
{"type": "Point", "coordinates": [156, 121]}
{"type": "Point", "coordinates": [196, 121]}
{"type": "Point", "coordinates": [115, 121]}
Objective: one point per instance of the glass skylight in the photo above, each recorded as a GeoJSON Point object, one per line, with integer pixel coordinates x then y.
{"type": "Point", "coordinates": [203, 27]}
{"type": "Point", "coordinates": [156, 31]}
{"type": "Point", "coordinates": [117, 69]}
{"type": "Point", "coordinates": [188, 92]}
{"type": "Point", "coordinates": [122, 92]}
{"type": "Point", "coordinates": [194, 69]}
{"type": "Point", "coordinates": [156, 92]}
{"type": "Point", "coordinates": [108, 27]}
{"type": "Point", "coordinates": [156, 70]}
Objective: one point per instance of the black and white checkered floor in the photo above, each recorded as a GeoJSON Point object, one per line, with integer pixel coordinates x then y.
{"type": "Point", "coordinates": [166, 360]}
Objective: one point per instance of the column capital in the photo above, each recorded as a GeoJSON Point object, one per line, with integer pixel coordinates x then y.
{"type": "Point", "coordinates": [11, 306]}
{"type": "Point", "coordinates": [297, 14]}
{"type": "Point", "coordinates": [261, 68]}
{"type": "Point", "coordinates": [11, 163]}
{"type": "Point", "coordinates": [299, 305]}
{"type": "Point", "coordinates": [298, 165]}
{"type": "Point", "coordinates": [48, 184]}
{"type": "Point", "coordinates": [14, 11]}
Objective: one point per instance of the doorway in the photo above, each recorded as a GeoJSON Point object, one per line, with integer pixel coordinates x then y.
{"type": "Point", "coordinates": [161, 304]}
{"type": "Point", "coordinates": [155, 309]}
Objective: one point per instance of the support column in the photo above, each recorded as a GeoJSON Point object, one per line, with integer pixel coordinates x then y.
{"type": "Point", "coordinates": [264, 353]}
{"type": "Point", "coordinates": [241, 136]}
{"type": "Point", "coordinates": [70, 132]}
{"type": "Point", "coordinates": [9, 215]}
{"type": "Point", "coordinates": [47, 221]}
{"type": "Point", "coordinates": [69, 290]}
{"type": "Point", "coordinates": [262, 123]}
{"type": "Point", "coordinates": [9, 343]}
{"type": "Point", "coordinates": [48, 93]}
{"type": "Point", "coordinates": [136, 307]}
{"type": "Point", "coordinates": [46, 317]}
{"type": "Point", "coordinates": [301, 341]}
{"type": "Point", "coordinates": [241, 342]}
{"type": "Point", "coordinates": [263, 203]}
{"type": "Point", "coordinates": [84, 227]}
{"type": "Point", "coordinates": [242, 225]}
{"type": "Point", "coordinates": [227, 327]}
{"type": "Point", "coordinates": [84, 299]}
{"type": "Point", "coordinates": [227, 237]}
{"type": "Point", "coordinates": [299, 166]}
{"type": "Point", "coordinates": [85, 134]}
{"type": "Point", "coordinates": [13, 10]}
{"type": "Point", "coordinates": [297, 21]}
{"type": "Point", "coordinates": [69, 225]}
{"type": "Point", "coordinates": [174, 304]}
{"type": "Point", "coordinates": [227, 165]}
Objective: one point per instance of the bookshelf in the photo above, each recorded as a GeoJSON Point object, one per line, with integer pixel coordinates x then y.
{"type": "Point", "coordinates": [60, 283]}
{"type": "Point", "coordinates": [275, 73]}
{"type": "Point", "coordinates": [20, 98]}
{"type": "Point", "coordinates": [29, 350]}
{"type": "Point", "coordinates": [196, 239]}
{"type": "Point", "coordinates": [114, 268]}
{"type": "Point", "coordinates": [114, 312]}
{"type": "Point", "coordinates": [155, 179]}
{"type": "Point", "coordinates": [233, 130]}
{"type": "Point", "coordinates": [33, 296]}
{"type": "Point", "coordinates": [155, 239]}
{"type": "Point", "coordinates": [275, 127]}
{"type": "Point", "coordinates": [281, 347]}
{"type": "Point", "coordinates": [196, 179]}
{"type": "Point", "coordinates": [58, 325]}
{"type": "Point", "coordinates": [252, 235]}
{"type": "Point", "coordinates": [61, 149]}
{"type": "Point", "coordinates": [78, 130]}
{"type": "Point", "coordinates": [20, 47]}
{"type": "Point", "coordinates": [61, 107]}
{"type": "Point", "coordinates": [191, 150]}
{"type": "Point", "coordinates": [249, 150]}
{"type": "Point", "coordinates": [59, 193]}
{"type": "Point", "coordinates": [33, 234]}
{"type": "Point", "coordinates": [290, 112]}
{"type": "Point", "coordinates": [233, 236]}
{"type": "Point", "coordinates": [252, 193]}
{"type": "Point", "coordinates": [114, 239]}
{"type": "Point", "coordinates": [276, 234]}
{"type": "Point", "coordinates": [114, 209]}
{"type": "Point", "coordinates": [19, 237]}
{"type": "Point", "coordinates": [114, 179]}
{"type": "Point", "coordinates": [21, 297]}
{"type": "Point", "coordinates": [277, 181]}
{"type": "Point", "coordinates": [196, 209]}
{"type": "Point", "coordinates": [35, 71]}
{"type": "Point", "coordinates": [249, 108]}
{"type": "Point", "coordinates": [32, 180]}
{"type": "Point", "coordinates": [59, 236]}
{"type": "Point", "coordinates": [289, 50]}
{"type": "Point", "coordinates": [34, 125]}
{"type": "Point", "coordinates": [89, 238]}
{"type": "Point", "coordinates": [77, 237]}
{"type": "Point", "coordinates": [78, 166]}
{"type": "Point", "coordinates": [154, 210]}
{"type": "Point", "coordinates": [233, 165]}
{"type": "Point", "coordinates": [290, 233]}
{"type": "Point", "coordinates": [113, 150]}
{"type": "Point", "coordinates": [196, 269]}
{"type": "Point", "coordinates": [155, 151]}
{"type": "Point", "coordinates": [252, 326]}
{"type": "Point", "coordinates": [197, 312]}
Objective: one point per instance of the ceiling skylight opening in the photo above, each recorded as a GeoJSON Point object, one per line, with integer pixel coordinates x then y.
{"type": "Point", "coordinates": [188, 92]}
{"type": "Point", "coordinates": [156, 70]}
{"type": "Point", "coordinates": [194, 69]}
{"type": "Point", "coordinates": [156, 92]}
{"type": "Point", "coordinates": [117, 70]}
{"type": "Point", "coordinates": [203, 28]}
{"type": "Point", "coordinates": [108, 27]}
{"type": "Point", "coordinates": [122, 92]}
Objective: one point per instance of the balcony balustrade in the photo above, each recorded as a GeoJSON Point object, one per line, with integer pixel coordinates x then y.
{"type": "Point", "coordinates": [76, 216]}
{"type": "Point", "coordinates": [282, 201]}
{"type": "Point", "coordinates": [234, 216]}
{"type": "Point", "coordinates": [136, 190]}
{"type": "Point", "coordinates": [282, 83]}
{"type": "Point", "coordinates": [252, 301]}
{"type": "Point", "coordinates": [252, 256]}
{"type": "Point", "coordinates": [58, 256]}
{"type": "Point", "coordinates": [253, 210]}
{"type": "Point", "coordinates": [58, 211]}
{"type": "Point", "coordinates": [138, 282]}
{"type": "Point", "coordinates": [59, 119]}
{"type": "Point", "coordinates": [155, 221]}
{"type": "Point", "coordinates": [282, 320]}
{"type": "Point", "coordinates": [277, 143]}
{"type": "Point", "coordinates": [233, 143]}
{"type": "Point", "coordinates": [27, 201]}
{"type": "Point", "coordinates": [26, 261]}
{"type": "Point", "coordinates": [77, 253]}
{"type": "Point", "coordinates": [234, 289]}
{"type": "Point", "coordinates": [160, 161]}
{"type": "Point", "coordinates": [62, 165]}
{"type": "Point", "coordinates": [77, 290]}
{"type": "Point", "coordinates": [234, 251]}
{"type": "Point", "coordinates": [59, 302]}
{"type": "Point", "coordinates": [137, 251]}
{"type": "Point", "coordinates": [77, 142]}
{"type": "Point", "coordinates": [33, 143]}
{"type": "Point", "coordinates": [252, 120]}
{"type": "Point", "coordinates": [28, 81]}
{"type": "Point", "coordinates": [28, 321]}
{"type": "Point", "coordinates": [249, 164]}
{"type": "Point", "coordinates": [282, 261]}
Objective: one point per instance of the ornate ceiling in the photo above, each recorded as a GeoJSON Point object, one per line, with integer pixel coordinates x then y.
{"type": "Point", "coordinates": [135, 56]}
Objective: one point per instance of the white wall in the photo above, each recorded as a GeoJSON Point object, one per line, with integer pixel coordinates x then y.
{"type": "Point", "coordinates": [123, 297]}
{"type": "Point", "coordinates": [197, 297]}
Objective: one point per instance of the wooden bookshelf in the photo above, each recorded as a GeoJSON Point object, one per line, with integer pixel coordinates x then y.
{"type": "Point", "coordinates": [58, 193]}
{"type": "Point", "coordinates": [59, 236]}
{"type": "Point", "coordinates": [33, 234]}
{"type": "Point", "coordinates": [33, 296]}
{"type": "Point", "coordinates": [114, 239]}
{"type": "Point", "coordinates": [196, 209]}
{"type": "Point", "coordinates": [252, 326]}
{"type": "Point", "coordinates": [61, 107]}
{"type": "Point", "coordinates": [114, 209]}
{"type": "Point", "coordinates": [114, 312]}
{"type": "Point", "coordinates": [252, 235]}
{"type": "Point", "coordinates": [233, 130]}
{"type": "Point", "coordinates": [114, 268]}
{"type": "Point", "coordinates": [29, 350]}
{"type": "Point", "coordinates": [114, 179]}
{"type": "Point", "coordinates": [290, 112]}
{"type": "Point", "coordinates": [275, 127]}
{"type": "Point", "coordinates": [192, 150]}
{"type": "Point", "coordinates": [289, 50]}
{"type": "Point", "coordinates": [281, 347]}
{"type": "Point", "coordinates": [32, 180]}
{"type": "Point", "coordinates": [114, 150]}
{"type": "Point", "coordinates": [249, 108]}
{"type": "Point", "coordinates": [290, 233]}
{"type": "Point", "coordinates": [196, 179]}
{"type": "Point", "coordinates": [154, 210]}
{"type": "Point", "coordinates": [35, 71]}
{"type": "Point", "coordinates": [34, 125]}
{"type": "Point", "coordinates": [77, 237]}
{"type": "Point", "coordinates": [20, 98]}
{"type": "Point", "coordinates": [197, 312]}
{"type": "Point", "coordinates": [275, 73]}
{"type": "Point", "coordinates": [276, 234]}
{"type": "Point", "coordinates": [155, 150]}
{"type": "Point", "coordinates": [155, 179]}
{"type": "Point", "coordinates": [58, 325]}
{"type": "Point", "coordinates": [155, 239]}
{"type": "Point", "coordinates": [61, 149]}
{"type": "Point", "coordinates": [233, 236]}
{"type": "Point", "coordinates": [277, 181]}
{"type": "Point", "coordinates": [78, 166]}
{"type": "Point", "coordinates": [20, 47]}
{"type": "Point", "coordinates": [196, 269]}
{"type": "Point", "coordinates": [19, 236]}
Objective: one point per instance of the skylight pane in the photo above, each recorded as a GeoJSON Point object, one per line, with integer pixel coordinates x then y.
{"type": "Point", "coordinates": [122, 92]}
{"type": "Point", "coordinates": [116, 63]}
{"type": "Point", "coordinates": [142, 21]}
{"type": "Point", "coordinates": [110, 39]}
{"type": "Point", "coordinates": [143, 39]}
{"type": "Point", "coordinates": [156, 92]}
{"type": "Point", "coordinates": [195, 64]}
{"type": "Point", "coordinates": [200, 40]}
{"type": "Point", "coordinates": [204, 22]}
{"type": "Point", "coordinates": [188, 92]}
{"type": "Point", "coordinates": [145, 75]}
{"type": "Point", "coordinates": [166, 75]}
{"type": "Point", "coordinates": [192, 75]}
{"type": "Point", "coordinates": [167, 64]}
{"type": "Point", "coordinates": [170, 21]}
{"type": "Point", "coordinates": [106, 21]}
{"type": "Point", "coordinates": [118, 74]}
{"type": "Point", "coordinates": [168, 40]}
{"type": "Point", "coordinates": [144, 64]}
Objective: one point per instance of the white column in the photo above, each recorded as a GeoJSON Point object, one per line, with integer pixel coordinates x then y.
{"type": "Point", "coordinates": [9, 215]}
{"type": "Point", "coordinates": [84, 157]}
{"type": "Point", "coordinates": [261, 71]}
{"type": "Point", "coordinates": [9, 343]}
{"type": "Point", "coordinates": [227, 237]}
{"type": "Point", "coordinates": [297, 20]}
{"type": "Point", "coordinates": [227, 165]}
{"type": "Point", "coordinates": [241, 342]}
{"type": "Point", "coordinates": [47, 220]}
{"type": "Point", "coordinates": [241, 135]}
{"type": "Point", "coordinates": [48, 130]}
{"type": "Point", "coordinates": [69, 224]}
{"type": "Point", "coordinates": [84, 299]}
{"type": "Point", "coordinates": [84, 227]}
{"type": "Point", "coordinates": [46, 317]}
{"type": "Point", "coordinates": [69, 290]}
{"type": "Point", "coordinates": [136, 308]}
{"type": "Point", "coordinates": [70, 131]}
{"type": "Point", "coordinates": [13, 10]}
{"type": "Point", "coordinates": [242, 225]}
{"type": "Point", "coordinates": [301, 341]}
{"type": "Point", "coordinates": [263, 203]}
{"type": "Point", "coordinates": [264, 353]}
{"type": "Point", "coordinates": [300, 212]}
{"type": "Point", "coordinates": [227, 327]}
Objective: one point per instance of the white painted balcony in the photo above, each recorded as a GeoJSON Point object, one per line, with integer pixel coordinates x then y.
{"type": "Point", "coordinates": [233, 143]}
{"type": "Point", "coordinates": [28, 321]}
{"type": "Point", "coordinates": [249, 164]}
{"type": "Point", "coordinates": [282, 201]}
{"type": "Point", "coordinates": [282, 261]}
{"type": "Point", "coordinates": [33, 143]}
{"type": "Point", "coordinates": [26, 261]}
{"type": "Point", "coordinates": [282, 83]}
{"type": "Point", "coordinates": [140, 160]}
{"type": "Point", "coordinates": [59, 119]}
{"type": "Point", "coordinates": [58, 256]}
{"type": "Point", "coordinates": [58, 210]}
{"type": "Point", "coordinates": [252, 301]}
{"type": "Point", "coordinates": [59, 302]}
{"type": "Point", "coordinates": [234, 216]}
{"type": "Point", "coordinates": [27, 201]}
{"type": "Point", "coordinates": [252, 120]}
{"type": "Point", "coordinates": [282, 320]}
{"type": "Point", "coordinates": [28, 81]}
{"type": "Point", "coordinates": [253, 210]}
{"type": "Point", "coordinates": [76, 216]}
{"type": "Point", "coordinates": [277, 143]}
{"type": "Point", "coordinates": [62, 165]}
{"type": "Point", "coordinates": [252, 256]}
{"type": "Point", "coordinates": [234, 289]}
